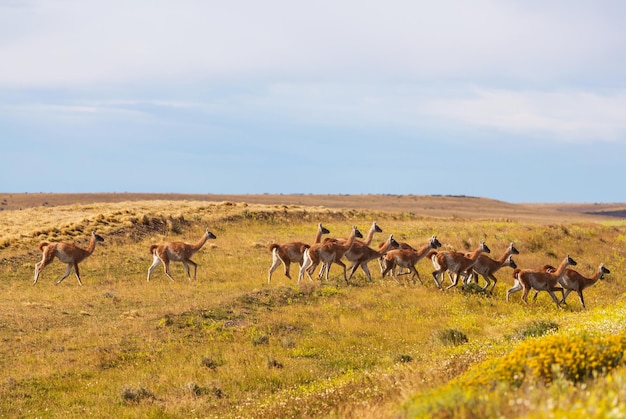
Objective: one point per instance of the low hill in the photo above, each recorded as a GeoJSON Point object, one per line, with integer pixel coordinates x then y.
{"type": "Point", "coordinates": [457, 206]}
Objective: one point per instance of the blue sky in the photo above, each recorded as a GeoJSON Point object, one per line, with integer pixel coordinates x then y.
{"type": "Point", "coordinates": [522, 101]}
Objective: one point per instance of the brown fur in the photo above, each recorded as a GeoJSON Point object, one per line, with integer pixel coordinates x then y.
{"type": "Point", "coordinates": [177, 252]}
{"type": "Point", "coordinates": [574, 281]}
{"type": "Point", "coordinates": [328, 252]}
{"type": "Point", "coordinates": [540, 280]}
{"type": "Point", "coordinates": [487, 267]}
{"type": "Point", "coordinates": [292, 252]}
{"type": "Point", "coordinates": [360, 249]}
{"type": "Point", "coordinates": [456, 262]}
{"type": "Point", "coordinates": [408, 257]}
{"type": "Point", "coordinates": [369, 254]}
{"type": "Point", "coordinates": [67, 253]}
{"type": "Point", "coordinates": [360, 246]}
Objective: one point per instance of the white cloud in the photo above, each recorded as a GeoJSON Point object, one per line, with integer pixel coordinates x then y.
{"type": "Point", "coordinates": [412, 109]}
{"type": "Point", "coordinates": [72, 42]}
{"type": "Point", "coordinates": [564, 115]}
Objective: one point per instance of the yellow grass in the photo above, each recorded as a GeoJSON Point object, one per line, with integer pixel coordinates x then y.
{"type": "Point", "coordinates": [229, 344]}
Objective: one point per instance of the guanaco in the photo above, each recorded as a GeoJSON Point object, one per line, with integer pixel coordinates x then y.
{"type": "Point", "coordinates": [328, 252]}
{"type": "Point", "coordinates": [292, 252]}
{"type": "Point", "coordinates": [574, 281]}
{"type": "Point", "coordinates": [540, 280]}
{"type": "Point", "coordinates": [487, 267]}
{"type": "Point", "coordinates": [367, 254]}
{"type": "Point", "coordinates": [455, 262]}
{"type": "Point", "coordinates": [407, 257]}
{"type": "Point", "coordinates": [177, 252]}
{"type": "Point", "coordinates": [389, 259]}
{"type": "Point", "coordinates": [360, 248]}
{"type": "Point", "coordinates": [67, 253]}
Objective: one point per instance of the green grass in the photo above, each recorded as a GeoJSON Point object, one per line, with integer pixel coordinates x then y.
{"type": "Point", "coordinates": [228, 344]}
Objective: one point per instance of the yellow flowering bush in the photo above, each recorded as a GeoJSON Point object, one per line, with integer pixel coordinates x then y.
{"type": "Point", "coordinates": [574, 357]}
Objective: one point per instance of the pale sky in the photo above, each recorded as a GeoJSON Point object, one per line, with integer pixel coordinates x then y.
{"type": "Point", "coordinates": [521, 101]}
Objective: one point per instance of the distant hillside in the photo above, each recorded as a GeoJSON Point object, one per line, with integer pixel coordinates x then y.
{"type": "Point", "coordinates": [458, 206]}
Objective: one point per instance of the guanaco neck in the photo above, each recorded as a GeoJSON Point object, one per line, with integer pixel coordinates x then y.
{"type": "Point", "coordinates": [203, 240]}
{"type": "Point", "coordinates": [595, 277]}
{"type": "Point", "coordinates": [370, 234]}
{"type": "Point", "coordinates": [386, 245]}
{"type": "Point", "coordinates": [561, 269]}
{"type": "Point", "coordinates": [427, 248]}
{"type": "Point", "coordinates": [92, 244]}
{"type": "Point", "coordinates": [318, 235]}
{"type": "Point", "coordinates": [475, 253]}
{"type": "Point", "coordinates": [351, 239]}
{"type": "Point", "coordinates": [503, 260]}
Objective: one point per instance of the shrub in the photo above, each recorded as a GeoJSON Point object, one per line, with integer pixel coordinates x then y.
{"type": "Point", "coordinates": [452, 337]}
{"type": "Point", "coordinates": [575, 358]}
{"type": "Point", "coordinates": [403, 358]}
{"type": "Point", "coordinates": [536, 328]}
{"type": "Point", "coordinates": [209, 363]}
{"type": "Point", "coordinates": [260, 339]}
{"type": "Point", "coordinates": [534, 362]}
{"type": "Point", "coordinates": [135, 395]}
{"type": "Point", "coordinates": [472, 288]}
{"type": "Point", "coordinates": [273, 363]}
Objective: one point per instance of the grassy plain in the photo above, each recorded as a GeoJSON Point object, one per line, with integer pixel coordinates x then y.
{"type": "Point", "coordinates": [229, 344]}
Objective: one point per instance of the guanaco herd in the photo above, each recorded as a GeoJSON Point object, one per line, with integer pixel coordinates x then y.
{"type": "Point", "coordinates": [391, 256]}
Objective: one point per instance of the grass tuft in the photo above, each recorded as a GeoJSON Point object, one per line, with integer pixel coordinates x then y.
{"type": "Point", "coordinates": [536, 328]}
{"type": "Point", "coordinates": [137, 395]}
{"type": "Point", "coordinates": [452, 337]}
{"type": "Point", "coordinates": [210, 363]}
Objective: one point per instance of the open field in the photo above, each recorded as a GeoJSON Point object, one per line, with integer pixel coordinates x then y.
{"type": "Point", "coordinates": [228, 344]}
{"type": "Point", "coordinates": [427, 205]}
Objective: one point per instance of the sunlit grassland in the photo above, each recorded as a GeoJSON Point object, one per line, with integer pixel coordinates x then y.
{"type": "Point", "coordinates": [228, 344]}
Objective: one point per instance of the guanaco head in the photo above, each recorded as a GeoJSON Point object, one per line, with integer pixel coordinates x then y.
{"type": "Point", "coordinates": [510, 262]}
{"type": "Point", "coordinates": [376, 228]}
{"type": "Point", "coordinates": [548, 268]}
{"type": "Point", "coordinates": [393, 242]}
{"type": "Point", "coordinates": [357, 233]}
{"type": "Point", "coordinates": [322, 229]}
{"type": "Point", "coordinates": [209, 234]}
{"type": "Point", "coordinates": [97, 237]}
{"type": "Point", "coordinates": [513, 250]}
{"type": "Point", "coordinates": [603, 271]}
{"type": "Point", "coordinates": [484, 248]}
{"type": "Point", "coordinates": [570, 261]}
{"type": "Point", "coordinates": [434, 243]}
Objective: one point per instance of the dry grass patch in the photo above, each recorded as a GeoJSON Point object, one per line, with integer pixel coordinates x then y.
{"type": "Point", "coordinates": [228, 344]}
